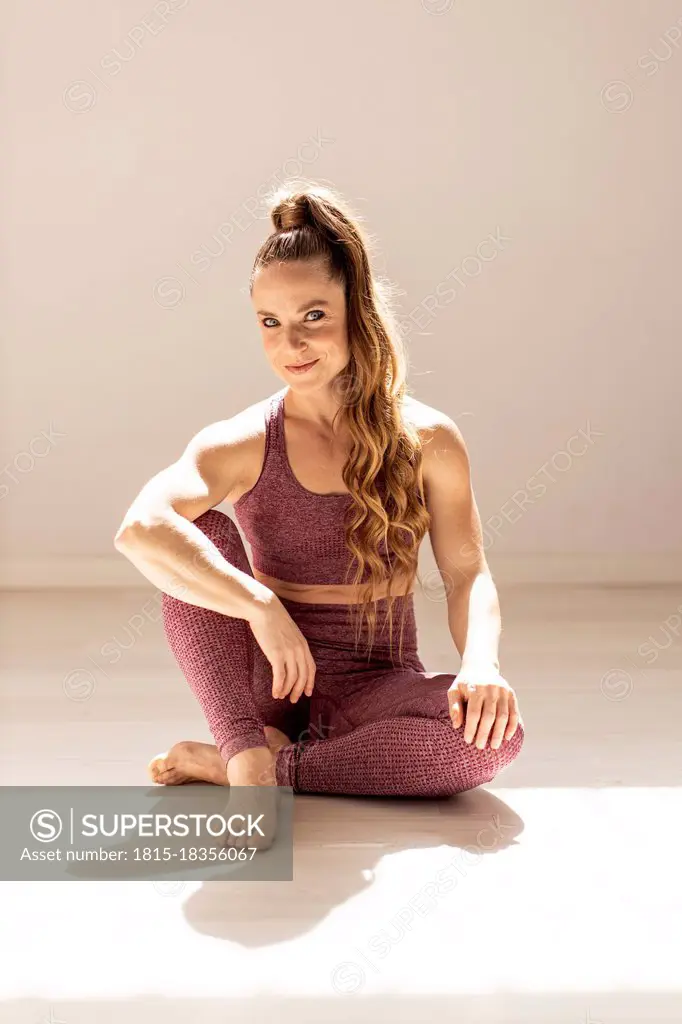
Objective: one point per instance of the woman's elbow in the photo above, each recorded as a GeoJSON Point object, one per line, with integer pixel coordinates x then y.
{"type": "Point", "coordinates": [132, 534]}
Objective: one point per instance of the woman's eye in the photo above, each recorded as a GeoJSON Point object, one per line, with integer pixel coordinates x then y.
{"type": "Point", "coordinates": [270, 321]}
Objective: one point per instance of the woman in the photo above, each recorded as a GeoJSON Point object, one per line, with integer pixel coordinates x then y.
{"type": "Point", "coordinates": [296, 665]}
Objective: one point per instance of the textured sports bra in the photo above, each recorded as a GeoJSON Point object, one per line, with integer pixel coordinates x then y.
{"type": "Point", "coordinates": [295, 534]}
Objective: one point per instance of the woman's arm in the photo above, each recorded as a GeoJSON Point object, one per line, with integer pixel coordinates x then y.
{"type": "Point", "coordinates": [456, 539]}
{"type": "Point", "coordinates": [472, 600]}
{"type": "Point", "coordinates": [158, 534]}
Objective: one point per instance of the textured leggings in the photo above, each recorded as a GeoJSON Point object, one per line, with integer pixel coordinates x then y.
{"type": "Point", "coordinates": [369, 728]}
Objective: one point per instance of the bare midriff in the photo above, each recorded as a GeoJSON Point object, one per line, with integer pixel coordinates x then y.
{"type": "Point", "coordinates": [337, 593]}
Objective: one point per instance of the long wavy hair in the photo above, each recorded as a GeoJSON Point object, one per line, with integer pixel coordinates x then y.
{"type": "Point", "coordinates": [313, 223]}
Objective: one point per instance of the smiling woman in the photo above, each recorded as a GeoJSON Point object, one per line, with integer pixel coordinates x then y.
{"type": "Point", "coordinates": [326, 323]}
{"type": "Point", "coordinates": [340, 473]}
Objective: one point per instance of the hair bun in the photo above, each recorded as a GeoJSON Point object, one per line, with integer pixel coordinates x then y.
{"type": "Point", "coordinates": [291, 211]}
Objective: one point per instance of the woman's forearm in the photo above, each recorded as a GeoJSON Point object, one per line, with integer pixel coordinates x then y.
{"type": "Point", "coordinates": [475, 622]}
{"type": "Point", "coordinates": [178, 558]}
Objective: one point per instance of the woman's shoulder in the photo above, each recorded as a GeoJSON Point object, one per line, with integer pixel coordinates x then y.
{"type": "Point", "coordinates": [425, 418]}
{"type": "Point", "coordinates": [241, 426]}
{"type": "Point", "coordinates": [240, 435]}
{"type": "Point", "coordinates": [442, 442]}
{"type": "Point", "coordinates": [241, 438]}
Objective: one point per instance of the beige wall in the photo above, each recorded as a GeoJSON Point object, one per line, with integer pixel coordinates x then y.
{"type": "Point", "coordinates": [137, 134]}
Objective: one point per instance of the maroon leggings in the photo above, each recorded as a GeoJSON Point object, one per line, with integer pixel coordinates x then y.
{"type": "Point", "coordinates": [369, 728]}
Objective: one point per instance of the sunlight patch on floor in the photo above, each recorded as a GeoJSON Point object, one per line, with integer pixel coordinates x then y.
{"type": "Point", "coordinates": [581, 899]}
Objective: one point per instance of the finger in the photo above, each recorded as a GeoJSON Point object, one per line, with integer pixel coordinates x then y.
{"type": "Point", "coordinates": [488, 716]}
{"type": "Point", "coordinates": [455, 707]}
{"type": "Point", "coordinates": [308, 679]}
{"type": "Point", "coordinates": [292, 674]}
{"type": "Point", "coordinates": [301, 677]}
{"type": "Point", "coordinates": [514, 717]}
{"type": "Point", "coordinates": [300, 686]}
{"type": "Point", "coordinates": [278, 674]}
{"type": "Point", "coordinates": [474, 708]}
{"type": "Point", "coordinates": [501, 721]}
{"type": "Point", "coordinates": [311, 675]}
{"type": "Point", "coordinates": [297, 691]}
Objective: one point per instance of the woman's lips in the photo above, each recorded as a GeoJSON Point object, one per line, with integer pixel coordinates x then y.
{"type": "Point", "coordinates": [302, 367]}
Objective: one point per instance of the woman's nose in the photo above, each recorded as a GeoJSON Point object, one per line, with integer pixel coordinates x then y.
{"type": "Point", "coordinates": [295, 338]}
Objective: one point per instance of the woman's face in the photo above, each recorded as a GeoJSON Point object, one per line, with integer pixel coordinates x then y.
{"type": "Point", "coordinates": [302, 317]}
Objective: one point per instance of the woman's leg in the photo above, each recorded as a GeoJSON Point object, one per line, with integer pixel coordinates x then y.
{"type": "Point", "coordinates": [386, 731]}
{"type": "Point", "coordinates": [381, 733]}
{"type": "Point", "coordinates": [409, 748]}
{"type": "Point", "coordinates": [224, 666]}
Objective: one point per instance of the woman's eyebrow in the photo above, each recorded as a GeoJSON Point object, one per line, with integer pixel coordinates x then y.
{"type": "Point", "coordinates": [306, 305]}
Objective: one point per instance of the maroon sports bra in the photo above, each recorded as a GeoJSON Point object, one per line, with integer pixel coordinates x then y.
{"type": "Point", "coordinates": [295, 534]}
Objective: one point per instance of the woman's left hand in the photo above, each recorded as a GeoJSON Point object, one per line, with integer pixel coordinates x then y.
{"type": "Point", "coordinates": [491, 707]}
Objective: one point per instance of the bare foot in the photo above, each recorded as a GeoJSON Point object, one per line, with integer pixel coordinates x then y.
{"type": "Point", "coordinates": [252, 776]}
{"type": "Point", "coordinates": [188, 762]}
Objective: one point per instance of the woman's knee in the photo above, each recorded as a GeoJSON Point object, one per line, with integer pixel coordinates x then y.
{"type": "Point", "coordinates": [463, 766]}
{"type": "Point", "coordinates": [219, 528]}
{"type": "Point", "coordinates": [222, 531]}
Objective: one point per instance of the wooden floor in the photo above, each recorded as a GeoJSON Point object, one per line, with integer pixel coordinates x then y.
{"type": "Point", "coordinates": [566, 906]}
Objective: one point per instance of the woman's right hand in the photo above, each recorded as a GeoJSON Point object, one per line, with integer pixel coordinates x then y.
{"type": "Point", "coordinates": [285, 647]}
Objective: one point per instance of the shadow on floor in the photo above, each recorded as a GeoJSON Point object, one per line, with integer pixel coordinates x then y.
{"type": "Point", "coordinates": [338, 844]}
